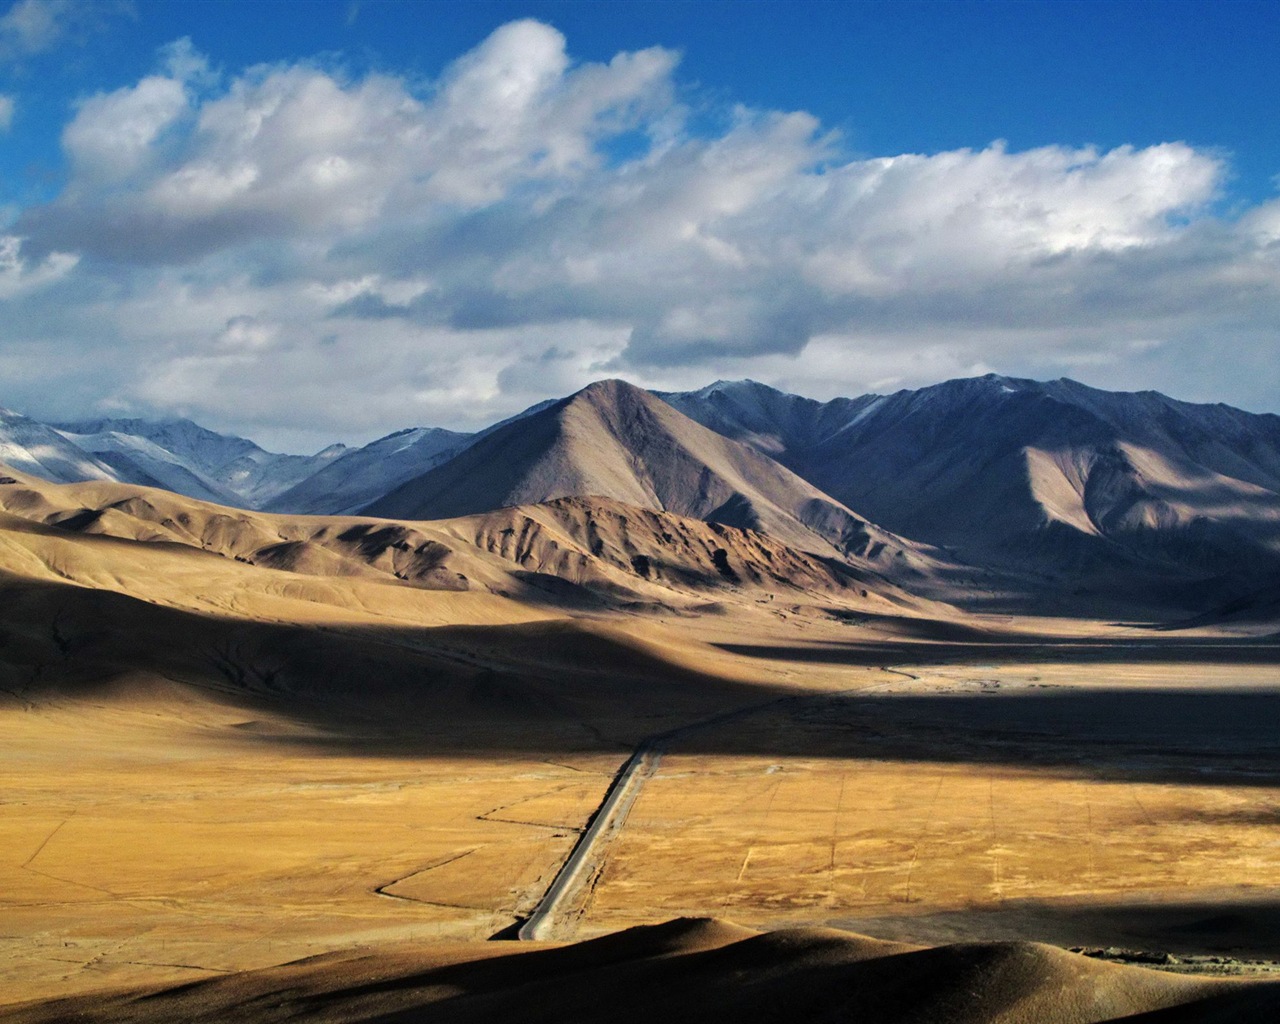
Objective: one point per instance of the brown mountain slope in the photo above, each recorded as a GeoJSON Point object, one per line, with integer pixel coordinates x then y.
{"type": "Point", "coordinates": [617, 441]}
{"type": "Point", "coordinates": [568, 552]}
{"type": "Point", "coordinates": [685, 971]}
{"type": "Point", "coordinates": [590, 541]}
{"type": "Point", "coordinates": [1137, 495]}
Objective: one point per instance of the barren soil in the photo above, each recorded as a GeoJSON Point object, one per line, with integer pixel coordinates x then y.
{"type": "Point", "coordinates": [170, 844]}
{"type": "Point", "coordinates": [210, 766]}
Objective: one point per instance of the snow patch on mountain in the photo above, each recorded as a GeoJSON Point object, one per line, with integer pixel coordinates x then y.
{"type": "Point", "coordinates": [32, 447]}
{"type": "Point", "coordinates": [185, 457]}
{"type": "Point", "coordinates": [358, 476]}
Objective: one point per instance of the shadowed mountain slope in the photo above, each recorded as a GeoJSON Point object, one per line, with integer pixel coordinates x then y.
{"type": "Point", "coordinates": [1077, 500]}
{"type": "Point", "coordinates": [358, 475]}
{"type": "Point", "coordinates": [617, 441]}
{"type": "Point", "coordinates": [185, 457]}
{"type": "Point", "coordinates": [786, 427]}
{"type": "Point", "coordinates": [32, 447]}
{"type": "Point", "coordinates": [138, 460]}
{"type": "Point", "coordinates": [686, 970]}
{"type": "Point", "coordinates": [1072, 478]}
{"type": "Point", "coordinates": [362, 475]}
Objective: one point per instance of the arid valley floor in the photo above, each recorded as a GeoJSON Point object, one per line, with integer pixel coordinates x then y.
{"type": "Point", "coordinates": [213, 767]}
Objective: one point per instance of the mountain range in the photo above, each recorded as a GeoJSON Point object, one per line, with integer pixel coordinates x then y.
{"type": "Point", "coordinates": [1134, 494]}
{"type": "Point", "coordinates": [614, 440]}
{"type": "Point", "coordinates": [1076, 494]}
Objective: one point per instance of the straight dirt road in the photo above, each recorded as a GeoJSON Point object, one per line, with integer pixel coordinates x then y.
{"type": "Point", "coordinates": [585, 859]}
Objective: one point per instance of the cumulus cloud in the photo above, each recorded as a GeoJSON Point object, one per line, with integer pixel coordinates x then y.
{"type": "Point", "coordinates": [297, 152]}
{"type": "Point", "coordinates": [19, 275]}
{"type": "Point", "coordinates": [280, 242]}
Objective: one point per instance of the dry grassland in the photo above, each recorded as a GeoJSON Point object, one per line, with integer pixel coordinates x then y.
{"type": "Point", "coordinates": [763, 839]}
{"type": "Point", "coordinates": [175, 837]}
{"type": "Point", "coordinates": [208, 765]}
{"type": "Point", "coordinates": [966, 841]}
{"type": "Point", "coordinates": [167, 844]}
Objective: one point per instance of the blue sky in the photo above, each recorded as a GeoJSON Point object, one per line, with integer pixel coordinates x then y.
{"type": "Point", "coordinates": [893, 77]}
{"type": "Point", "coordinates": [315, 220]}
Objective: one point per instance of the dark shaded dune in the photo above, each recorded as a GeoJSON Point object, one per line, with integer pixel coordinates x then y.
{"type": "Point", "coordinates": [1227, 924]}
{"type": "Point", "coordinates": [681, 935]}
{"type": "Point", "coordinates": [1239, 924]}
{"type": "Point", "coordinates": [367, 689]}
{"type": "Point", "coordinates": [565, 686]}
{"type": "Point", "coordinates": [1019, 981]}
{"type": "Point", "coordinates": [1245, 1006]}
{"type": "Point", "coordinates": [685, 971]}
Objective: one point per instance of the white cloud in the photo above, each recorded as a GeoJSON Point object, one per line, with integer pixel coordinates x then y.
{"type": "Point", "coordinates": [293, 151]}
{"type": "Point", "coordinates": [31, 27]}
{"type": "Point", "coordinates": [18, 275]}
{"type": "Point", "coordinates": [113, 135]}
{"type": "Point", "coordinates": [946, 218]}
{"type": "Point", "coordinates": [6, 113]}
{"type": "Point", "coordinates": [528, 224]}
{"type": "Point", "coordinates": [182, 61]}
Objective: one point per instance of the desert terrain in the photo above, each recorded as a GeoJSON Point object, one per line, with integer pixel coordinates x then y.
{"type": "Point", "coordinates": [344, 754]}
{"type": "Point", "coordinates": [667, 512]}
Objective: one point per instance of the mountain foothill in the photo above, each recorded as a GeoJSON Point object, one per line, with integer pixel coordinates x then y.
{"type": "Point", "coordinates": [288, 736]}
{"type": "Point", "coordinates": [991, 493]}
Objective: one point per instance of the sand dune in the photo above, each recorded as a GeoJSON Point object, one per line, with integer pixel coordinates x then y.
{"type": "Point", "coordinates": [686, 971]}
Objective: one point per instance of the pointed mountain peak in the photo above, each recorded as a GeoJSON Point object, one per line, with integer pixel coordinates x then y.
{"type": "Point", "coordinates": [406, 432]}
{"type": "Point", "coordinates": [987, 385]}
{"type": "Point", "coordinates": [612, 395]}
{"type": "Point", "coordinates": [734, 387]}
{"type": "Point", "coordinates": [610, 389]}
{"type": "Point", "coordinates": [997, 380]}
